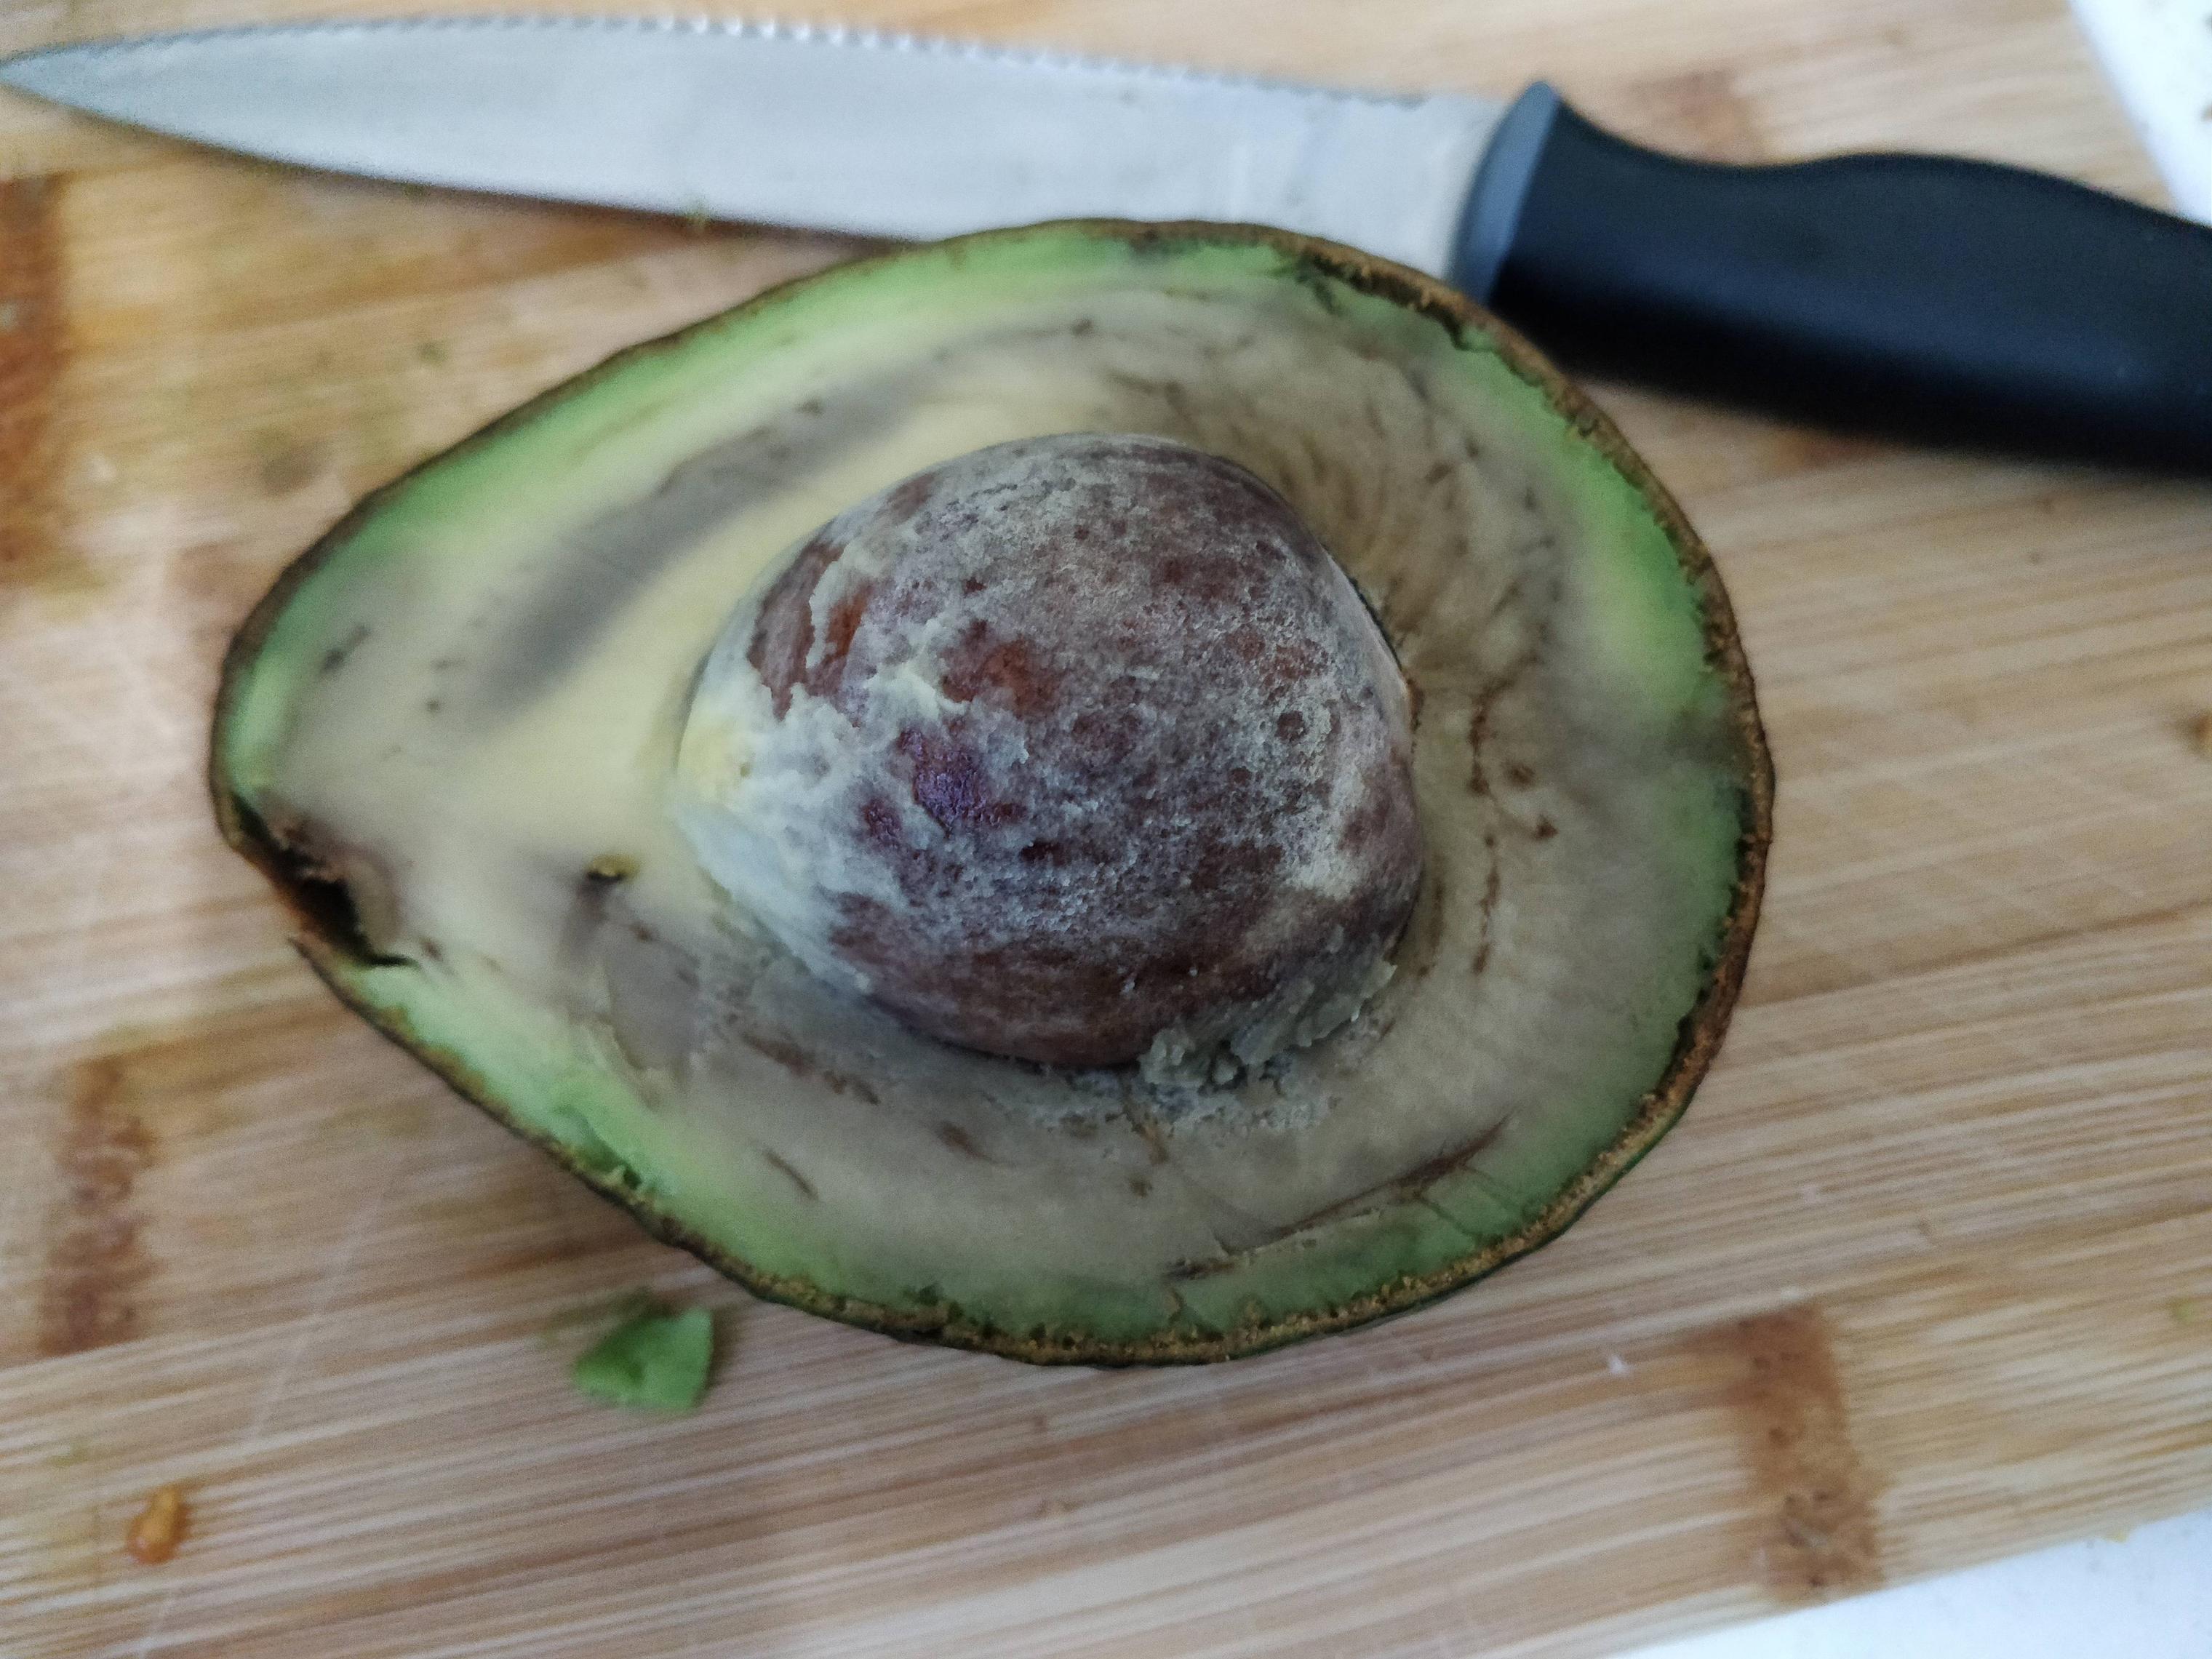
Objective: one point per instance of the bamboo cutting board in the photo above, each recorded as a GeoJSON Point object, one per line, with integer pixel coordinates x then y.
{"type": "Point", "coordinates": [1925, 1276]}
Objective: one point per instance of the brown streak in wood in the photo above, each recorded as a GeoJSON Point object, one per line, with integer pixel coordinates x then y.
{"type": "Point", "coordinates": [1816, 1534]}
{"type": "Point", "coordinates": [1701, 111]}
{"type": "Point", "coordinates": [144, 1090]}
{"type": "Point", "coordinates": [288, 464]}
{"type": "Point", "coordinates": [95, 1260]}
{"type": "Point", "coordinates": [33, 350]}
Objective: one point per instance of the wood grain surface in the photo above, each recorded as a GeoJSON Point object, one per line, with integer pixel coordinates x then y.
{"type": "Point", "coordinates": [1925, 1276]}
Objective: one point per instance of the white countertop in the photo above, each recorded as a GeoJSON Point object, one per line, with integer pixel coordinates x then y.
{"type": "Point", "coordinates": [2158, 53]}
{"type": "Point", "coordinates": [2148, 1596]}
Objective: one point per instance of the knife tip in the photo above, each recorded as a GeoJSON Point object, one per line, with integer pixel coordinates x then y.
{"type": "Point", "coordinates": [39, 70]}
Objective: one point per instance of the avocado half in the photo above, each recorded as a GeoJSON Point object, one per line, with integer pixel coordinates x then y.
{"type": "Point", "coordinates": [445, 736]}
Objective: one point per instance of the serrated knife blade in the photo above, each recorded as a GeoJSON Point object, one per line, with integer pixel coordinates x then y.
{"type": "Point", "coordinates": [1918, 295]}
{"type": "Point", "coordinates": [876, 135]}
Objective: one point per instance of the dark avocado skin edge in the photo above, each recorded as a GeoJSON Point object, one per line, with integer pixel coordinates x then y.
{"type": "Point", "coordinates": [326, 937]}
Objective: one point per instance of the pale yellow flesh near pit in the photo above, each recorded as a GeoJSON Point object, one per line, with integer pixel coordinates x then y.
{"type": "Point", "coordinates": [478, 693]}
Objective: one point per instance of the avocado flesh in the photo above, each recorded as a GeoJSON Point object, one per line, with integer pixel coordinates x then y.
{"type": "Point", "coordinates": [461, 709]}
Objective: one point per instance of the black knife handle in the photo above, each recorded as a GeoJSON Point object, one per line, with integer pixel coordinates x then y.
{"type": "Point", "coordinates": [1938, 299]}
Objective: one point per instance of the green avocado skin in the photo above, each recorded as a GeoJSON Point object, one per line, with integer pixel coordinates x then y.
{"type": "Point", "coordinates": [1662, 619]}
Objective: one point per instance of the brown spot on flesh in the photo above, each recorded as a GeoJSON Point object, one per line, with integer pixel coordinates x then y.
{"type": "Point", "coordinates": [573, 952]}
{"type": "Point", "coordinates": [961, 1141]}
{"type": "Point", "coordinates": [1493, 884]}
{"type": "Point", "coordinates": [95, 1260]}
{"type": "Point", "coordinates": [805, 1186]}
{"type": "Point", "coordinates": [346, 892]}
{"type": "Point", "coordinates": [338, 656]}
{"type": "Point", "coordinates": [1479, 717]}
{"type": "Point", "coordinates": [1148, 1128]}
{"type": "Point", "coordinates": [1420, 946]}
{"type": "Point", "coordinates": [1419, 1179]}
{"type": "Point", "coordinates": [805, 1066]}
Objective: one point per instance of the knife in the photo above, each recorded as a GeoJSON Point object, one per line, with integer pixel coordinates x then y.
{"type": "Point", "coordinates": [1957, 302]}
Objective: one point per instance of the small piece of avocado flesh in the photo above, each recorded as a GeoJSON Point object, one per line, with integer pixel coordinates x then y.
{"type": "Point", "coordinates": [446, 735]}
{"type": "Point", "coordinates": [653, 1358]}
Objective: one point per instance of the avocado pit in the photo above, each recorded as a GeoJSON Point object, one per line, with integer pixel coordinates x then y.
{"type": "Point", "coordinates": [1080, 750]}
